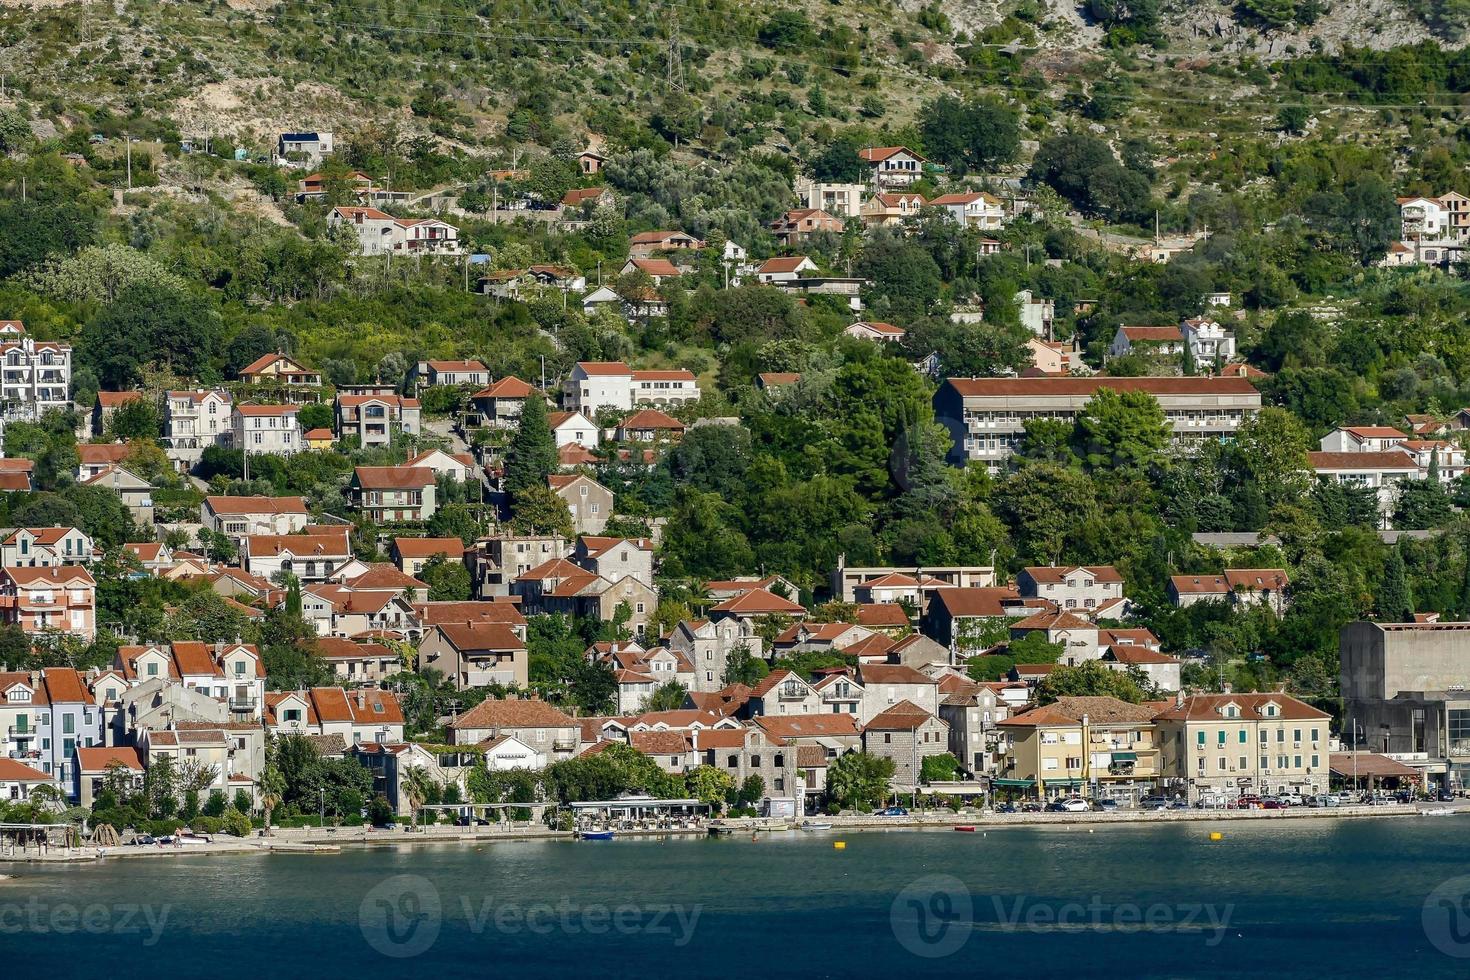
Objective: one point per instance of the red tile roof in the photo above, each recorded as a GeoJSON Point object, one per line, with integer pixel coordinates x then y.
{"type": "Point", "coordinates": [394, 477]}
{"type": "Point", "coordinates": [524, 713]}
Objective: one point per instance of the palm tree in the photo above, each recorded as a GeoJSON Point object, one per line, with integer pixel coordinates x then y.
{"type": "Point", "coordinates": [418, 784]}
{"type": "Point", "coordinates": [272, 789]}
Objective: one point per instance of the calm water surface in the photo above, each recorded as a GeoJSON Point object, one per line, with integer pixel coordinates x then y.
{"type": "Point", "coordinates": [1315, 898]}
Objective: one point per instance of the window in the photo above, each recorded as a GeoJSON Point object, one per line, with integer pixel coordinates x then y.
{"type": "Point", "coordinates": [1242, 736]}
{"type": "Point", "coordinates": [1314, 762]}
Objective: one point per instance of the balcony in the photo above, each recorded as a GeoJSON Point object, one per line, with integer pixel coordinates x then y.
{"type": "Point", "coordinates": [243, 704]}
{"type": "Point", "coordinates": [563, 745]}
{"type": "Point", "coordinates": [791, 692]}
{"type": "Point", "coordinates": [21, 733]}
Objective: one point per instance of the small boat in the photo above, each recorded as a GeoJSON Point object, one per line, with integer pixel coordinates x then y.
{"type": "Point", "coordinates": [966, 829]}
{"type": "Point", "coordinates": [721, 831]}
{"type": "Point", "coordinates": [597, 835]}
{"type": "Point", "coordinates": [816, 825]}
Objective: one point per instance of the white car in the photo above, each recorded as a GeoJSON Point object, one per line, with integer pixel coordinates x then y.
{"type": "Point", "coordinates": [1075, 804]}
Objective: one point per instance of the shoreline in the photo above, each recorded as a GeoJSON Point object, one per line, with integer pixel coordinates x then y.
{"type": "Point", "coordinates": [298, 841]}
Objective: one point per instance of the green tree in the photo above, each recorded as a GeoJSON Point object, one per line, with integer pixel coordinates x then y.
{"type": "Point", "coordinates": [1395, 602]}
{"type": "Point", "coordinates": [742, 667]}
{"type": "Point", "coordinates": [1273, 446]}
{"type": "Point", "coordinates": [1091, 678]}
{"type": "Point", "coordinates": [454, 521]}
{"type": "Point", "coordinates": [538, 510]}
{"type": "Point", "coordinates": [531, 456]}
{"type": "Point", "coordinates": [668, 696]}
{"type": "Point", "coordinates": [136, 419]}
{"type": "Point", "coordinates": [969, 136]}
{"type": "Point", "coordinates": [709, 785]}
{"type": "Point", "coordinates": [150, 324]}
{"type": "Point", "coordinates": [448, 581]}
{"type": "Point", "coordinates": [1121, 430]}
{"type": "Point", "coordinates": [858, 779]}
{"type": "Point", "coordinates": [940, 768]}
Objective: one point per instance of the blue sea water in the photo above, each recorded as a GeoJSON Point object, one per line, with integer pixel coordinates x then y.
{"type": "Point", "coordinates": [1379, 897]}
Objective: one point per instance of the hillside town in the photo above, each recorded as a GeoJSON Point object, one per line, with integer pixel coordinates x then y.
{"type": "Point", "coordinates": [907, 492]}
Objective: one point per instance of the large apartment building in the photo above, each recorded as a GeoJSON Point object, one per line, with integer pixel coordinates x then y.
{"type": "Point", "coordinates": [35, 375]}
{"type": "Point", "coordinates": [987, 416]}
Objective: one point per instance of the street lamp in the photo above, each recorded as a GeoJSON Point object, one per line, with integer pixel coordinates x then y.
{"type": "Point", "coordinates": [323, 819]}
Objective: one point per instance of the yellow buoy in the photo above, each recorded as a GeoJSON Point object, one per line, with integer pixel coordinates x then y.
{"type": "Point", "coordinates": [839, 845]}
{"type": "Point", "coordinates": [1216, 835]}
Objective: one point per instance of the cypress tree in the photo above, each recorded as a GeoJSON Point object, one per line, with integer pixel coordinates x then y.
{"type": "Point", "coordinates": [1395, 603]}
{"type": "Point", "coordinates": [531, 456]}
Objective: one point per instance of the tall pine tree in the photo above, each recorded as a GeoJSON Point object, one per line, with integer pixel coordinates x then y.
{"type": "Point", "coordinates": [531, 456]}
{"type": "Point", "coordinates": [1395, 602]}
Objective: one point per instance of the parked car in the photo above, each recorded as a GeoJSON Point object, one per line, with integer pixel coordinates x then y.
{"type": "Point", "coordinates": [1006, 807]}
{"type": "Point", "coordinates": [1291, 798]}
{"type": "Point", "coordinates": [1075, 804]}
{"type": "Point", "coordinates": [1322, 800]}
{"type": "Point", "coordinates": [1031, 806]}
{"type": "Point", "coordinates": [1443, 795]}
{"type": "Point", "coordinates": [1106, 806]}
{"type": "Point", "coordinates": [1154, 803]}
{"type": "Point", "coordinates": [892, 811]}
{"type": "Point", "coordinates": [1273, 803]}
{"type": "Point", "coordinates": [1246, 801]}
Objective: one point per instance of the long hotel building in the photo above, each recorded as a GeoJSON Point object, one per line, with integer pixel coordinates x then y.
{"type": "Point", "coordinates": [987, 416]}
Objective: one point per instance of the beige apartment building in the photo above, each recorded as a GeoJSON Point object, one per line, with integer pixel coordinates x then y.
{"type": "Point", "coordinates": [987, 416]}
{"type": "Point", "coordinates": [1092, 746]}
{"type": "Point", "coordinates": [1225, 745]}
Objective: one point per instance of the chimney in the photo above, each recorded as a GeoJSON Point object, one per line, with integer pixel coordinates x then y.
{"type": "Point", "coordinates": [1179, 698]}
{"type": "Point", "coordinates": [1225, 688]}
{"type": "Point", "coordinates": [361, 700]}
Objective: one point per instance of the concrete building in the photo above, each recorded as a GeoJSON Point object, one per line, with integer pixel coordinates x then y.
{"type": "Point", "coordinates": [590, 502]}
{"type": "Point", "coordinates": [474, 654]}
{"type": "Point", "coordinates": [986, 416]}
{"type": "Point", "coordinates": [1406, 692]}
{"type": "Point", "coordinates": [193, 421]}
{"type": "Point", "coordinates": [49, 601]}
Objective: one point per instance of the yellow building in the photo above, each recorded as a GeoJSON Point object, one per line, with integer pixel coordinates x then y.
{"type": "Point", "coordinates": [1226, 745]}
{"type": "Point", "coordinates": [1093, 746]}
{"type": "Point", "coordinates": [318, 438]}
